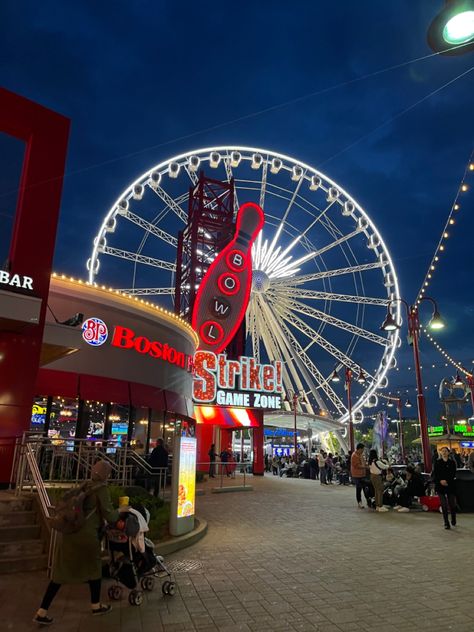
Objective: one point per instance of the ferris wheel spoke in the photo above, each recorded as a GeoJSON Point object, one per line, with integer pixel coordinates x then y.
{"type": "Point", "coordinates": [302, 356]}
{"type": "Point", "coordinates": [149, 227]}
{"type": "Point", "coordinates": [302, 308]}
{"type": "Point", "coordinates": [284, 350]}
{"type": "Point", "coordinates": [326, 274]}
{"type": "Point", "coordinates": [252, 329]}
{"type": "Point", "coordinates": [148, 291]}
{"type": "Point", "coordinates": [138, 258]}
{"type": "Point", "coordinates": [174, 206]}
{"type": "Point", "coordinates": [315, 337]}
{"type": "Point", "coordinates": [192, 175]}
{"type": "Point", "coordinates": [292, 292]}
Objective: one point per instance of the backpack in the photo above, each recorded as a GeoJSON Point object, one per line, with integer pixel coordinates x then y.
{"type": "Point", "coordinates": [69, 516]}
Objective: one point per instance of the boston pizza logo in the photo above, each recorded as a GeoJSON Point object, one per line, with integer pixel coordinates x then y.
{"type": "Point", "coordinates": [94, 331]}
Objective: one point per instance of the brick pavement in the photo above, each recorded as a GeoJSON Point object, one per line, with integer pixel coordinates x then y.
{"type": "Point", "coordinates": [291, 555]}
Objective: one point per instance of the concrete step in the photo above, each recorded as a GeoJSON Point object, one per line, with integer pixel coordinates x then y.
{"type": "Point", "coordinates": [22, 564]}
{"type": "Point", "coordinates": [17, 518]}
{"type": "Point", "coordinates": [20, 548]}
{"type": "Point", "coordinates": [29, 532]}
{"type": "Point", "coordinates": [13, 503]}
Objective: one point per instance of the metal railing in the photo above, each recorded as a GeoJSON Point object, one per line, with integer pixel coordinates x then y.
{"type": "Point", "coordinates": [229, 474]}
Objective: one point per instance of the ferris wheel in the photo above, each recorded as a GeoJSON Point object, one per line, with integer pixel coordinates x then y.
{"type": "Point", "coordinates": [322, 275]}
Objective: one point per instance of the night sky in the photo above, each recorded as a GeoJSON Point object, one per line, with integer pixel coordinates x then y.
{"type": "Point", "coordinates": [143, 81]}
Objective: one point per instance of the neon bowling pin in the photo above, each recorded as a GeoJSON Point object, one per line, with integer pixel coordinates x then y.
{"type": "Point", "coordinates": [223, 295]}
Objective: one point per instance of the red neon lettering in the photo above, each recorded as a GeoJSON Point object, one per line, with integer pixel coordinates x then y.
{"type": "Point", "coordinates": [268, 377]}
{"type": "Point", "coordinates": [123, 337]}
{"type": "Point", "coordinates": [254, 376]}
{"type": "Point", "coordinates": [278, 384]}
{"type": "Point", "coordinates": [156, 349]}
{"type": "Point", "coordinates": [204, 385]}
{"type": "Point", "coordinates": [221, 374]}
{"type": "Point", "coordinates": [142, 344]}
{"type": "Point", "coordinates": [233, 370]}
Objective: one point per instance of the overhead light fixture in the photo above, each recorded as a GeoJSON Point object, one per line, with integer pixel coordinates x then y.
{"type": "Point", "coordinates": [390, 403]}
{"type": "Point", "coordinates": [408, 404]}
{"type": "Point", "coordinates": [389, 324]}
{"type": "Point", "coordinates": [335, 377]}
{"type": "Point", "coordinates": [436, 321]}
{"type": "Point", "coordinates": [361, 377]}
{"type": "Point", "coordinates": [452, 30]}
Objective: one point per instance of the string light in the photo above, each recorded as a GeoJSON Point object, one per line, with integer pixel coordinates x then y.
{"type": "Point", "coordinates": [463, 188]}
{"type": "Point", "coordinates": [141, 303]}
{"type": "Point", "coordinates": [444, 353]}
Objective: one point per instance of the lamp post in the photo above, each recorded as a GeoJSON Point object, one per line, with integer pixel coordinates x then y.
{"type": "Point", "coordinates": [349, 376]}
{"type": "Point", "coordinates": [294, 397]}
{"type": "Point", "coordinates": [401, 439]}
{"type": "Point", "coordinates": [436, 322]}
{"type": "Point", "coordinates": [452, 31]}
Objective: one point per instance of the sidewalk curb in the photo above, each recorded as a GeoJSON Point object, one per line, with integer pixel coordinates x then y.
{"type": "Point", "coordinates": [236, 488]}
{"type": "Point", "coordinates": [183, 541]}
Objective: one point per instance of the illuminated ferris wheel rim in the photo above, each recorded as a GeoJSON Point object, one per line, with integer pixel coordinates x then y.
{"type": "Point", "coordinates": [247, 153]}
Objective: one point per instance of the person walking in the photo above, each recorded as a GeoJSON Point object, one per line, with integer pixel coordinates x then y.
{"type": "Point", "coordinates": [358, 472]}
{"type": "Point", "coordinates": [159, 460]}
{"type": "Point", "coordinates": [212, 460]}
{"type": "Point", "coordinates": [444, 474]}
{"type": "Point", "coordinates": [377, 467]}
{"type": "Point", "coordinates": [78, 554]}
{"type": "Point", "coordinates": [322, 467]}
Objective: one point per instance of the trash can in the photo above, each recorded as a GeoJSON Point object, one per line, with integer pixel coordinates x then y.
{"type": "Point", "coordinates": [465, 490]}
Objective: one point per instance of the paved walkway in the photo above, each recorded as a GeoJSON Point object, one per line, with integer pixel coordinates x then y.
{"type": "Point", "coordinates": [291, 555]}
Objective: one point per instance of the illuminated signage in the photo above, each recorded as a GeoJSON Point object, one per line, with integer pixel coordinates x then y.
{"type": "Point", "coordinates": [466, 431]}
{"type": "Point", "coordinates": [278, 432]}
{"type": "Point", "coordinates": [16, 280]}
{"type": "Point", "coordinates": [467, 444]}
{"type": "Point", "coordinates": [223, 295]}
{"type": "Point", "coordinates": [125, 338]}
{"type": "Point", "coordinates": [94, 331]}
{"type": "Point", "coordinates": [187, 477]}
{"type": "Point", "coordinates": [224, 416]}
{"type": "Point", "coordinates": [38, 415]}
{"type": "Point", "coordinates": [435, 431]}
{"type": "Point", "coordinates": [243, 383]}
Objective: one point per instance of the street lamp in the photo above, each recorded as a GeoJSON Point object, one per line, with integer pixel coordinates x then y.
{"type": "Point", "coordinates": [293, 398]}
{"type": "Point", "coordinates": [435, 323]}
{"type": "Point", "coordinates": [452, 30]}
{"type": "Point", "coordinates": [349, 378]}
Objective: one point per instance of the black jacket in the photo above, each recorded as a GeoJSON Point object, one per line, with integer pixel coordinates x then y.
{"type": "Point", "coordinates": [159, 457]}
{"type": "Point", "coordinates": [444, 471]}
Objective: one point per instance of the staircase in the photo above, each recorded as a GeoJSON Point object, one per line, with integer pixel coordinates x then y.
{"type": "Point", "coordinates": [21, 546]}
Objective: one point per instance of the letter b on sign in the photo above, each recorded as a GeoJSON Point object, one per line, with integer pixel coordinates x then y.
{"type": "Point", "coordinates": [236, 260]}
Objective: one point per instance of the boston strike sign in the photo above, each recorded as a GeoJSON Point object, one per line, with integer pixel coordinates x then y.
{"type": "Point", "coordinates": [238, 383]}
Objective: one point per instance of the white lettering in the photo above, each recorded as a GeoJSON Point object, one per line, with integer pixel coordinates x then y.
{"type": "Point", "coordinates": [220, 308]}
{"type": "Point", "coordinates": [229, 283]}
{"type": "Point", "coordinates": [15, 280]}
{"type": "Point", "coordinates": [256, 401]}
{"type": "Point", "coordinates": [27, 283]}
{"type": "Point", "coordinates": [237, 260]}
{"type": "Point", "coordinates": [210, 332]}
{"type": "Point", "coordinates": [4, 276]}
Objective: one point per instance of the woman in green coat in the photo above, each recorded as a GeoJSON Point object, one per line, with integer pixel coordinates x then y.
{"type": "Point", "coordinates": [78, 555]}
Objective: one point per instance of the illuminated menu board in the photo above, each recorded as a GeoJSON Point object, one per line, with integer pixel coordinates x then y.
{"type": "Point", "coordinates": [187, 477]}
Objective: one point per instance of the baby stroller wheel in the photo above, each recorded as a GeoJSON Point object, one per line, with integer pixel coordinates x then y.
{"type": "Point", "coordinates": [148, 583]}
{"type": "Point", "coordinates": [171, 588]}
{"type": "Point", "coordinates": [165, 587]}
{"type": "Point", "coordinates": [135, 598]}
{"type": "Point", "coordinates": [115, 593]}
{"type": "Point", "coordinates": [425, 507]}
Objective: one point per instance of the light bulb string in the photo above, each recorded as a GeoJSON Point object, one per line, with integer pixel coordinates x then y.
{"type": "Point", "coordinates": [450, 359]}
{"type": "Point", "coordinates": [461, 189]}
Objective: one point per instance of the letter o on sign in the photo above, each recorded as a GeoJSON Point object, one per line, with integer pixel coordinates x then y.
{"type": "Point", "coordinates": [142, 344]}
{"type": "Point", "coordinates": [228, 284]}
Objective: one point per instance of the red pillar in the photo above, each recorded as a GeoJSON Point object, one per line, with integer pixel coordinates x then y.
{"type": "Point", "coordinates": [205, 437]}
{"type": "Point", "coordinates": [45, 134]}
{"type": "Point", "coordinates": [257, 445]}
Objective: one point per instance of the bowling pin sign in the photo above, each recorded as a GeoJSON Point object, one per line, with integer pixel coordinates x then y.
{"type": "Point", "coordinates": [223, 296]}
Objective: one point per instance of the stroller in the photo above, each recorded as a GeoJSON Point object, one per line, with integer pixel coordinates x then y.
{"type": "Point", "coordinates": [131, 567]}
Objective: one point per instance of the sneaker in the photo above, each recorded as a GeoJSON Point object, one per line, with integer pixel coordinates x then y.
{"type": "Point", "coordinates": [381, 509]}
{"type": "Point", "coordinates": [453, 522]}
{"type": "Point", "coordinates": [104, 609]}
{"type": "Point", "coordinates": [447, 526]}
{"type": "Point", "coordinates": [360, 505]}
{"type": "Point", "coordinates": [403, 510]}
{"type": "Point", "coordinates": [42, 620]}
{"type": "Point", "coordinates": [397, 507]}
